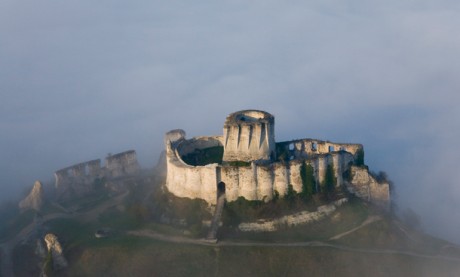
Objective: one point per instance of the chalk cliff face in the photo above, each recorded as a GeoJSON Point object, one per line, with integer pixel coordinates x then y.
{"type": "Point", "coordinates": [35, 198]}
{"type": "Point", "coordinates": [55, 248]}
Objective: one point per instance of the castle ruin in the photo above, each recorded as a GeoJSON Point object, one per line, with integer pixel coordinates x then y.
{"type": "Point", "coordinates": [80, 178]}
{"type": "Point", "coordinates": [247, 162]}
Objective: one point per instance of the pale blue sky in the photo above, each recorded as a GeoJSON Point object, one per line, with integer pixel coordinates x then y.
{"type": "Point", "coordinates": [80, 79]}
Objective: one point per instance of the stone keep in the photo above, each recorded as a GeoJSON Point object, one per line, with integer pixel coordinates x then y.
{"type": "Point", "coordinates": [249, 136]}
{"type": "Point", "coordinates": [251, 164]}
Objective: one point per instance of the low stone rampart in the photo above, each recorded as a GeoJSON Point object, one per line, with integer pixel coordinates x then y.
{"type": "Point", "coordinates": [301, 218]}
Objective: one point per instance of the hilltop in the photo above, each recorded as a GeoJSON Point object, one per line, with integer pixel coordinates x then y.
{"type": "Point", "coordinates": [237, 204]}
{"type": "Point", "coordinates": [149, 231]}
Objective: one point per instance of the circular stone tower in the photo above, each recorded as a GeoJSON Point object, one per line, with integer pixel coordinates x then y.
{"type": "Point", "coordinates": [249, 136]}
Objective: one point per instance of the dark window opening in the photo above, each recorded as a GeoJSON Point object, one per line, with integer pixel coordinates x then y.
{"type": "Point", "coordinates": [314, 146]}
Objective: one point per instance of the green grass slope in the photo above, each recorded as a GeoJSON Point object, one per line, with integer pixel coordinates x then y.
{"type": "Point", "coordinates": [355, 240]}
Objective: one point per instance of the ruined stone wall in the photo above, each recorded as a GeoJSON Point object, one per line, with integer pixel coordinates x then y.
{"type": "Point", "coordinates": [230, 176]}
{"type": "Point", "coordinates": [189, 146]}
{"type": "Point", "coordinates": [265, 182]}
{"type": "Point", "coordinates": [249, 137]}
{"type": "Point", "coordinates": [247, 181]}
{"type": "Point", "coordinates": [281, 178]}
{"type": "Point", "coordinates": [122, 164]}
{"type": "Point", "coordinates": [94, 168]}
{"type": "Point", "coordinates": [257, 181]}
{"type": "Point", "coordinates": [184, 180]}
{"type": "Point", "coordinates": [79, 171]}
{"type": "Point", "coordinates": [305, 148]}
{"type": "Point", "coordinates": [254, 182]}
{"type": "Point", "coordinates": [294, 175]}
{"type": "Point", "coordinates": [320, 169]}
{"type": "Point", "coordinates": [365, 186]}
{"type": "Point", "coordinates": [192, 181]}
{"type": "Point", "coordinates": [77, 178]}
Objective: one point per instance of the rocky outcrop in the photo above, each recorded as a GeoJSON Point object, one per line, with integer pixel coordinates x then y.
{"type": "Point", "coordinates": [55, 248]}
{"type": "Point", "coordinates": [35, 198]}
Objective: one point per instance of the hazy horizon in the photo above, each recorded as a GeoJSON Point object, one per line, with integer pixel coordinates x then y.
{"type": "Point", "coordinates": [82, 79]}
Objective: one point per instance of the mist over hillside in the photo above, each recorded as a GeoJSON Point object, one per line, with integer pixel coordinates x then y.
{"type": "Point", "coordinates": [120, 227]}
{"type": "Point", "coordinates": [80, 80]}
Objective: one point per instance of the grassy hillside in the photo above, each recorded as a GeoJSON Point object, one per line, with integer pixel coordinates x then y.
{"type": "Point", "coordinates": [129, 256]}
{"type": "Point", "coordinates": [355, 240]}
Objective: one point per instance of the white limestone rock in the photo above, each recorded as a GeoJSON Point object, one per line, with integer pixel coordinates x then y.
{"type": "Point", "coordinates": [55, 248]}
{"type": "Point", "coordinates": [35, 198]}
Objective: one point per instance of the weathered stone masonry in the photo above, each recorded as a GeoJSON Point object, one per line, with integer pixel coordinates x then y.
{"type": "Point", "coordinates": [122, 164]}
{"type": "Point", "coordinates": [249, 136]}
{"type": "Point", "coordinates": [249, 167]}
{"type": "Point", "coordinates": [80, 177]}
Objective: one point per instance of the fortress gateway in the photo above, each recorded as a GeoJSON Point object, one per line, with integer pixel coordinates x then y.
{"type": "Point", "coordinates": [246, 161]}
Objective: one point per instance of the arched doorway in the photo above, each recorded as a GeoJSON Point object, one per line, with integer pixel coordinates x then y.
{"type": "Point", "coordinates": [220, 189]}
